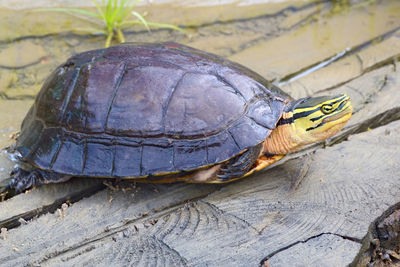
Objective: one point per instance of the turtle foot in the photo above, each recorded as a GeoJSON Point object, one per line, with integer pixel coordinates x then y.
{"type": "Point", "coordinates": [22, 180]}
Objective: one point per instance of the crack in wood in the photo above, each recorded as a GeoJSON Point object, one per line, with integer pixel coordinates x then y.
{"type": "Point", "coordinates": [349, 52]}
{"type": "Point", "coordinates": [15, 221]}
{"type": "Point", "coordinates": [376, 66]}
{"type": "Point", "coordinates": [353, 239]}
{"type": "Point", "coordinates": [23, 66]}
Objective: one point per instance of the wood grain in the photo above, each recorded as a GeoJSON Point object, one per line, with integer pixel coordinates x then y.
{"type": "Point", "coordinates": [313, 208]}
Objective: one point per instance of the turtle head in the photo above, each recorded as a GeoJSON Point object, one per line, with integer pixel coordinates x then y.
{"type": "Point", "coordinates": [308, 120]}
{"type": "Point", "coordinates": [318, 118]}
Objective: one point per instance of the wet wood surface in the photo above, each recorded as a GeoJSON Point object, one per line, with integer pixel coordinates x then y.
{"type": "Point", "coordinates": [312, 209]}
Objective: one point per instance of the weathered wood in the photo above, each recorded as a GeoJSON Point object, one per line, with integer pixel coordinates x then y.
{"type": "Point", "coordinates": [39, 201]}
{"type": "Point", "coordinates": [313, 209]}
{"type": "Point", "coordinates": [316, 42]}
{"type": "Point", "coordinates": [359, 60]}
{"type": "Point", "coordinates": [257, 216]}
{"type": "Point", "coordinates": [257, 29]}
{"type": "Point", "coordinates": [323, 250]}
{"type": "Point", "coordinates": [20, 21]}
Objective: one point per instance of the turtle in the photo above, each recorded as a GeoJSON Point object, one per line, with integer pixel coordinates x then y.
{"type": "Point", "coordinates": [164, 112]}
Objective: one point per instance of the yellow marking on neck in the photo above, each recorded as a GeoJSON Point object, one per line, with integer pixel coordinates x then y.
{"type": "Point", "coordinates": [310, 124]}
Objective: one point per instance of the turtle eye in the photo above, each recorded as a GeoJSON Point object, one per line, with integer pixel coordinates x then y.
{"type": "Point", "coordinates": [326, 109]}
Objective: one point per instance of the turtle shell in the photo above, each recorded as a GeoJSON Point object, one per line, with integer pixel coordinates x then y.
{"type": "Point", "coordinates": [138, 109]}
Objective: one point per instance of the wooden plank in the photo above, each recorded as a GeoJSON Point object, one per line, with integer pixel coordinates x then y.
{"type": "Point", "coordinates": [27, 206]}
{"type": "Point", "coordinates": [94, 216]}
{"type": "Point", "coordinates": [357, 63]}
{"type": "Point", "coordinates": [259, 216]}
{"type": "Point", "coordinates": [20, 21]}
{"type": "Point", "coordinates": [336, 251]}
{"type": "Point", "coordinates": [326, 198]}
{"type": "Point", "coordinates": [49, 198]}
{"type": "Point", "coordinates": [319, 41]}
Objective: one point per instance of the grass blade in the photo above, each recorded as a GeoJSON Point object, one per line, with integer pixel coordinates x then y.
{"type": "Point", "coordinates": [99, 9]}
{"type": "Point", "coordinates": [120, 36]}
{"type": "Point", "coordinates": [109, 38]}
{"type": "Point", "coordinates": [125, 10]}
{"type": "Point", "coordinates": [141, 19]}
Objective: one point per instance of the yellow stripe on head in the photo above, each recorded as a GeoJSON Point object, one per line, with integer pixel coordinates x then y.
{"type": "Point", "coordinates": [321, 117]}
{"type": "Point", "coordinates": [307, 121]}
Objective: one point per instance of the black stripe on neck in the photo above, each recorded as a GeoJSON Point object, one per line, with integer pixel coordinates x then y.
{"type": "Point", "coordinates": [283, 121]}
{"type": "Point", "coordinates": [305, 113]}
{"type": "Point", "coordinates": [315, 127]}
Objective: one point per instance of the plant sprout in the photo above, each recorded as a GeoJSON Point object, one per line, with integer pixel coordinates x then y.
{"type": "Point", "coordinates": [113, 16]}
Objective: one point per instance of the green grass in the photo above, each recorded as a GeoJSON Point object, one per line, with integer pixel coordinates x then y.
{"type": "Point", "coordinates": [113, 16]}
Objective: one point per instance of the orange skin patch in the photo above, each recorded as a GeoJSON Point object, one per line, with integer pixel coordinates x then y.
{"type": "Point", "coordinates": [260, 164]}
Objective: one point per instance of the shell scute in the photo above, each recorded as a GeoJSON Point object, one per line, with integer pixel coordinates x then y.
{"type": "Point", "coordinates": [88, 104]}
{"type": "Point", "coordinates": [140, 102]}
{"type": "Point", "coordinates": [64, 162]}
{"type": "Point", "coordinates": [98, 159]}
{"type": "Point", "coordinates": [127, 161]}
{"type": "Point", "coordinates": [189, 155]}
{"type": "Point", "coordinates": [157, 159]}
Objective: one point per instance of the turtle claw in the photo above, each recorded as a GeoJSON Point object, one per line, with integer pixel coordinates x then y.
{"type": "Point", "coordinates": [225, 176]}
{"type": "Point", "coordinates": [22, 180]}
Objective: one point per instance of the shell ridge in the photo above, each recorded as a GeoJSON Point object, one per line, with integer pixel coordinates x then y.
{"type": "Point", "coordinates": [36, 145]}
{"type": "Point", "coordinates": [111, 101]}
{"type": "Point", "coordinates": [141, 161]}
{"type": "Point", "coordinates": [234, 141]}
{"type": "Point", "coordinates": [113, 160]}
{"type": "Point", "coordinates": [258, 123]}
{"type": "Point", "coordinates": [85, 150]}
{"type": "Point", "coordinates": [69, 94]}
{"type": "Point", "coordinates": [168, 101]}
{"type": "Point", "coordinates": [208, 162]}
{"type": "Point", "coordinates": [173, 157]}
{"type": "Point", "coordinates": [221, 79]}
{"type": "Point", "coordinates": [55, 156]}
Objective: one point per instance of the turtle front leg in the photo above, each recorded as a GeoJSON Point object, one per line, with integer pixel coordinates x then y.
{"type": "Point", "coordinates": [263, 162]}
{"type": "Point", "coordinates": [22, 180]}
{"type": "Point", "coordinates": [239, 166]}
